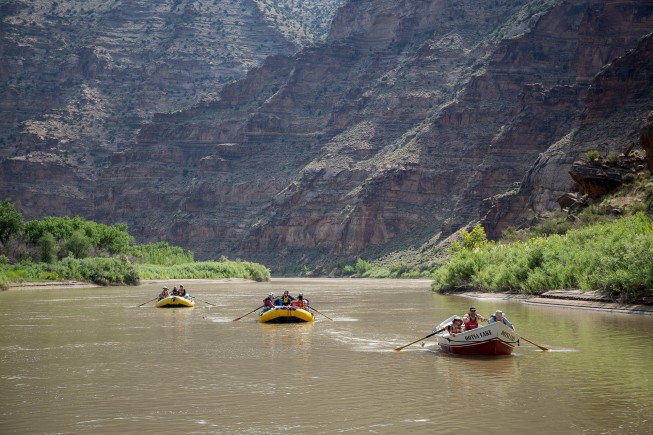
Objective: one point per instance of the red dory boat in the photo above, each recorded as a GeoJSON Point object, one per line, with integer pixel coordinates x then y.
{"type": "Point", "coordinates": [493, 339]}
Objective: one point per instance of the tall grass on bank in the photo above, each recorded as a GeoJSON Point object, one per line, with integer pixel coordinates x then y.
{"type": "Point", "coordinates": [614, 258]}
{"type": "Point", "coordinates": [159, 253]}
{"type": "Point", "coordinates": [98, 270]}
{"type": "Point", "coordinates": [119, 271]}
{"type": "Point", "coordinates": [206, 269]}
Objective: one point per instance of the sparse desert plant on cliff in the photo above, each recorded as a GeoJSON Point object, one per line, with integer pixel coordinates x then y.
{"type": "Point", "coordinates": [613, 157]}
{"type": "Point", "coordinates": [476, 238]}
{"type": "Point", "coordinates": [592, 155]}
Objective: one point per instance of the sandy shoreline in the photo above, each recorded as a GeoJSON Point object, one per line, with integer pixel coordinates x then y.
{"type": "Point", "coordinates": [574, 299]}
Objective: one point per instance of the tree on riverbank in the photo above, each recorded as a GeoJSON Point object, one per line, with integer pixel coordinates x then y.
{"type": "Point", "coordinates": [64, 248]}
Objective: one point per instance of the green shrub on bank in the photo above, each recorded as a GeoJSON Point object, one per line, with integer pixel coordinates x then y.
{"type": "Point", "coordinates": [160, 253]}
{"type": "Point", "coordinates": [100, 270]}
{"type": "Point", "coordinates": [615, 258]}
{"type": "Point", "coordinates": [64, 248]}
{"type": "Point", "coordinates": [206, 269]}
{"type": "Point", "coordinates": [119, 271]}
{"type": "Point", "coordinates": [78, 234]}
{"type": "Point", "coordinates": [358, 268]}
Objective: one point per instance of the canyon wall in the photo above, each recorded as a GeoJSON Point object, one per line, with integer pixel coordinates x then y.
{"type": "Point", "coordinates": [411, 120]}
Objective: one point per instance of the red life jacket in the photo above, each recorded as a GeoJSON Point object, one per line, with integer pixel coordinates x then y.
{"type": "Point", "coordinates": [472, 324]}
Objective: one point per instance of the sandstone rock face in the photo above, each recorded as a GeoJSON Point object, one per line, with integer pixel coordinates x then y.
{"type": "Point", "coordinates": [78, 80]}
{"type": "Point", "coordinates": [616, 110]}
{"type": "Point", "coordinates": [407, 122]}
{"type": "Point", "coordinates": [596, 181]}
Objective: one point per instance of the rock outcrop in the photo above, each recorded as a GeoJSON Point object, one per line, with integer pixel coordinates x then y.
{"type": "Point", "coordinates": [646, 139]}
{"type": "Point", "coordinates": [616, 106]}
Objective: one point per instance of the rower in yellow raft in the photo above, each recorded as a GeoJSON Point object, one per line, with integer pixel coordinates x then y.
{"type": "Point", "coordinates": [175, 299]}
{"type": "Point", "coordinates": [285, 309]}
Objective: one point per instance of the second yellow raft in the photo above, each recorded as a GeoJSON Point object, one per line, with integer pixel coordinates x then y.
{"type": "Point", "coordinates": [286, 315]}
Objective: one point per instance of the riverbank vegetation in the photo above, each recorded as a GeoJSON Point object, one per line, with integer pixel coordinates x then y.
{"type": "Point", "coordinates": [612, 255]}
{"type": "Point", "coordinates": [606, 246]}
{"type": "Point", "coordinates": [64, 248]}
{"type": "Point", "coordinates": [615, 258]}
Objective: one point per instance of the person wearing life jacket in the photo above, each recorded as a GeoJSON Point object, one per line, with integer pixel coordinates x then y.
{"type": "Point", "coordinates": [182, 291]}
{"type": "Point", "coordinates": [499, 317]}
{"type": "Point", "coordinates": [286, 299]}
{"type": "Point", "coordinates": [175, 292]}
{"type": "Point", "coordinates": [456, 326]}
{"type": "Point", "coordinates": [164, 293]}
{"type": "Point", "coordinates": [300, 302]}
{"type": "Point", "coordinates": [471, 319]}
{"type": "Point", "coordinates": [268, 302]}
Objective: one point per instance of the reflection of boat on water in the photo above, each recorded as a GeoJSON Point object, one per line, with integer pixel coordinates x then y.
{"type": "Point", "coordinates": [286, 315]}
{"type": "Point", "coordinates": [493, 339]}
{"type": "Point", "coordinates": [175, 302]}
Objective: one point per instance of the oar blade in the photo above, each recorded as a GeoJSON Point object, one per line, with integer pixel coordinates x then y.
{"type": "Point", "coordinates": [311, 308]}
{"type": "Point", "coordinates": [138, 306]}
{"type": "Point", "coordinates": [420, 339]}
{"type": "Point", "coordinates": [248, 313]}
{"type": "Point", "coordinates": [534, 344]}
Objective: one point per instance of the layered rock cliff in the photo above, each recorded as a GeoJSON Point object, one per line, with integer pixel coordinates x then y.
{"type": "Point", "coordinates": [617, 107]}
{"type": "Point", "coordinates": [392, 133]}
{"type": "Point", "coordinates": [78, 80]}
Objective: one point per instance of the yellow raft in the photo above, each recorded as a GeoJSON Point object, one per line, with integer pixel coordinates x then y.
{"type": "Point", "coordinates": [175, 302]}
{"type": "Point", "coordinates": [286, 315]}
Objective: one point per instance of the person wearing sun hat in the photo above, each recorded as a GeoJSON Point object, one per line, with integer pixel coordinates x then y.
{"type": "Point", "coordinates": [164, 293]}
{"type": "Point", "coordinates": [472, 318]}
{"type": "Point", "coordinates": [498, 316]}
{"type": "Point", "coordinates": [456, 326]}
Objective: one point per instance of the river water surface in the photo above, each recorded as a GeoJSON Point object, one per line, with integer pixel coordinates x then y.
{"type": "Point", "coordinates": [91, 361]}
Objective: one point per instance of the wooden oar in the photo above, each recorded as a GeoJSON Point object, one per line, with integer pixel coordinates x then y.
{"type": "Point", "coordinates": [423, 338]}
{"type": "Point", "coordinates": [534, 344]}
{"type": "Point", "coordinates": [205, 301]}
{"type": "Point", "coordinates": [249, 313]}
{"type": "Point", "coordinates": [146, 302]}
{"type": "Point", "coordinates": [320, 313]}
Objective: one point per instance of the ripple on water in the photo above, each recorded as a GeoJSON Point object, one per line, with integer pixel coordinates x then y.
{"type": "Point", "coordinates": [218, 319]}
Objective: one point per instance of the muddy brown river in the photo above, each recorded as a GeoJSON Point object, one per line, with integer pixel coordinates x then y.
{"type": "Point", "coordinates": [91, 361]}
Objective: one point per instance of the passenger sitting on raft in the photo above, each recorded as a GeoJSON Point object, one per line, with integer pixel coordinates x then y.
{"type": "Point", "coordinates": [286, 299]}
{"type": "Point", "coordinates": [268, 302]}
{"type": "Point", "coordinates": [456, 326]}
{"type": "Point", "coordinates": [499, 317]}
{"type": "Point", "coordinates": [182, 292]}
{"type": "Point", "coordinates": [164, 293]}
{"type": "Point", "coordinates": [300, 302]}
